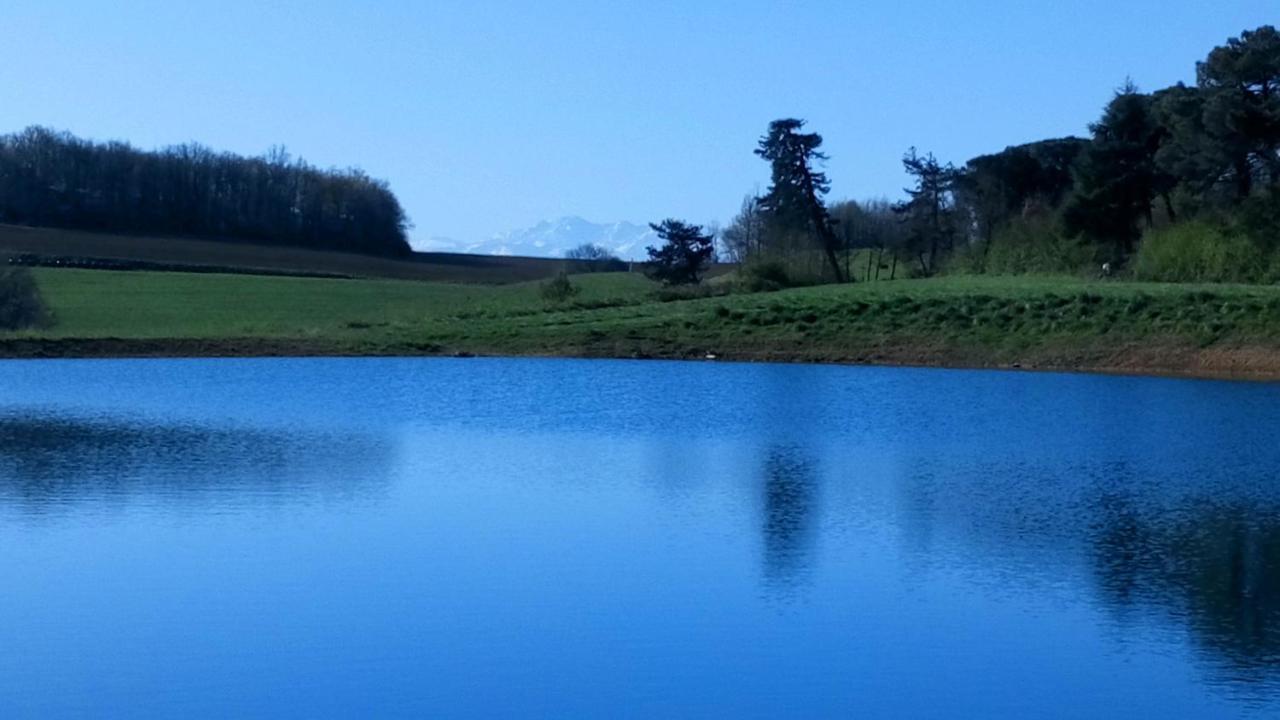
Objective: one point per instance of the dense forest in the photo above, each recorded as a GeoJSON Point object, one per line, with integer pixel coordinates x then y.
{"type": "Point", "coordinates": [55, 179]}
{"type": "Point", "coordinates": [1178, 184]}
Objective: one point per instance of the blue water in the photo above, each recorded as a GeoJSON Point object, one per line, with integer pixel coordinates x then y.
{"type": "Point", "coordinates": [542, 538]}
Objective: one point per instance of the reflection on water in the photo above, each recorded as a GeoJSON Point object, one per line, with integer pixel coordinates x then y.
{"type": "Point", "coordinates": [1214, 568]}
{"type": "Point", "coordinates": [1189, 547]}
{"type": "Point", "coordinates": [790, 505]}
{"type": "Point", "coordinates": [567, 538]}
{"type": "Point", "coordinates": [49, 463]}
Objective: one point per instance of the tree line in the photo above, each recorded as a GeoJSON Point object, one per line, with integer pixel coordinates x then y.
{"type": "Point", "coordinates": [1182, 183]}
{"type": "Point", "coordinates": [55, 179]}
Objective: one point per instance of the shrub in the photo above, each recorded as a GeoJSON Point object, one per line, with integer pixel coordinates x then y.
{"type": "Point", "coordinates": [1025, 246]}
{"type": "Point", "coordinates": [967, 260]}
{"type": "Point", "coordinates": [1199, 251]}
{"type": "Point", "coordinates": [675, 293]}
{"type": "Point", "coordinates": [765, 276]}
{"type": "Point", "coordinates": [21, 305]}
{"type": "Point", "coordinates": [1272, 274]}
{"type": "Point", "coordinates": [558, 289]}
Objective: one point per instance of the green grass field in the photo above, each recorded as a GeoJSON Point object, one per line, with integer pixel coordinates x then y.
{"type": "Point", "coordinates": [97, 304]}
{"type": "Point", "coordinates": [979, 321]}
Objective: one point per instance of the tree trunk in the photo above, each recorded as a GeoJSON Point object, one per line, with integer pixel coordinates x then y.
{"type": "Point", "coordinates": [986, 246]}
{"type": "Point", "coordinates": [821, 225]}
{"type": "Point", "coordinates": [1168, 206]}
{"type": "Point", "coordinates": [1244, 178]}
{"type": "Point", "coordinates": [835, 263]}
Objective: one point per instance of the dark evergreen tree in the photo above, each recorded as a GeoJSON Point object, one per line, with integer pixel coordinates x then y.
{"type": "Point", "coordinates": [1200, 163]}
{"type": "Point", "coordinates": [1117, 178]}
{"type": "Point", "coordinates": [929, 212]}
{"type": "Point", "coordinates": [1241, 110]}
{"type": "Point", "coordinates": [685, 255]}
{"type": "Point", "coordinates": [1223, 134]}
{"type": "Point", "coordinates": [794, 201]}
{"type": "Point", "coordinates": [994, 189]}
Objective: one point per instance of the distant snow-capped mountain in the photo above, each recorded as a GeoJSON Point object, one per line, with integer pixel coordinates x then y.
{"type": "Point", "coordinates": [553, 238]}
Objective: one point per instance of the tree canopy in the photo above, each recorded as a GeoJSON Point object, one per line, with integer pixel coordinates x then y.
{"type": "Point", "coordinates": [1117, 178]}
{"type": "Point", "coordinates": [1206, 154]}
{"type": "Point", "coordinates": [595, 258]}
{"type": "Point", "coordinates": [685, 254]}
{"type": "Point", "coordinates": [55, 179]}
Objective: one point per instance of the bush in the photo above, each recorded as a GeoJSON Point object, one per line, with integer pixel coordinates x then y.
{"type": "Point", "coordinates": [1026, 246]}
{"type": "Point", "coordinates": [776, 270]}
{"type": "Point", "coordinates": [21, 305]}
{"type": "Point", "coordinates": [558, 289]}
{"type": "Point", "coordinates": [1272, 274]}
{"type": "Point", "coordinates": [1199, 251]}
{"type": "Point", "coordinates": [765, 276]}
{"type": "Point", "coordinates": [674, 293]}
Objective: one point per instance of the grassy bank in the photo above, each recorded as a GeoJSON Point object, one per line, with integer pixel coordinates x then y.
{"type": "Point", "coordinates": [974, 322]}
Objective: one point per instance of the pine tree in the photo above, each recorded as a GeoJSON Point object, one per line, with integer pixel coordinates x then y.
{"type": "Point", "coordinates": [685, 254]}
{"type": "Point", "coordinates": [930, 211]}
{"type": "Point", "coordinates": [1117, 178]}
{"type": "Point", "coordinates": [794, 200]}
{"type": "Point", "coordinates": [1241, 85]}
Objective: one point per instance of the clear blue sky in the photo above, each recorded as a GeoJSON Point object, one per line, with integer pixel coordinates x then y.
{"type": "Point", "coordinates": [489, 116]}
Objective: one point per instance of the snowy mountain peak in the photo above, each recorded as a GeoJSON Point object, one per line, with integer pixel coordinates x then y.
{"type": "Point", "coordinates": [553, 238]}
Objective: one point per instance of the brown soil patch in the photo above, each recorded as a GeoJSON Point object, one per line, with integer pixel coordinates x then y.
{"type": "Point", "coordinates": [1242, 361]}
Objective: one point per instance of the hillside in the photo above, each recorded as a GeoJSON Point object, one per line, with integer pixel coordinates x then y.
{"type": "Point", "coordinates": [60, 247]}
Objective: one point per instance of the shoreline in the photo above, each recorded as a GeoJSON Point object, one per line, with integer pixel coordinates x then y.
{"type": "Point", "coordinates": [1252, 363]}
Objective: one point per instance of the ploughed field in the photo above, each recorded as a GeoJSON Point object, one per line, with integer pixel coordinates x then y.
{"type": "Point", "coordinates": [1062, 323]}
{"type": "Point", "coordinates": [73, 248]}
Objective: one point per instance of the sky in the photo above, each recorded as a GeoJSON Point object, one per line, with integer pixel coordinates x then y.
{"type": "Point", "coordinates": [493, 116]}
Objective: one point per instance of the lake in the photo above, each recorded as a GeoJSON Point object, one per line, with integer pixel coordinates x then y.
{"type": "Point", "coordinates": [559, 538]}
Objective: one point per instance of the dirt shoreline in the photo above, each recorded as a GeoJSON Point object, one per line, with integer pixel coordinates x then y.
{"type": "Point", "coordinates": [1163, 359]}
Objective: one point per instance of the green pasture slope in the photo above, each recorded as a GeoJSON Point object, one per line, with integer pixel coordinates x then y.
{"type": "Point", "coordinates": [962, 321]}
{"type": "Point", "coordinates": [96, 304]}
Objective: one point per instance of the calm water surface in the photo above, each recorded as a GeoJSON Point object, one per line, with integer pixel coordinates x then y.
{"type": "Point", "coordinates": [499, 538]}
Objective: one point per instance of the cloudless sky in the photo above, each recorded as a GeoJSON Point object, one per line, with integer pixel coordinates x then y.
{"type": "Point", "coordinates": [491, 116]}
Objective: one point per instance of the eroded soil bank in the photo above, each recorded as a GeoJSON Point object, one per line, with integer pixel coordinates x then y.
{"type": "Point", "coordinates": [1164, 358]}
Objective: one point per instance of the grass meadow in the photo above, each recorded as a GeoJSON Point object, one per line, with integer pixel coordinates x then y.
{"type": "Point", "coordinates": [1046, 321]}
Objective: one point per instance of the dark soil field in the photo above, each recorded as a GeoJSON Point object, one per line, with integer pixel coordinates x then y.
{"type": "Point", "coordinates": [73, 248]}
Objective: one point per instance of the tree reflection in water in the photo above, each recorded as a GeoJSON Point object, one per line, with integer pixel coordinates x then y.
{"type": "Point", "coordinates": [1213, 566]}
{"type": "Point", "coordinates": [789, 509]}
{"type": "Point", "coordinates": [50, 464]}
{"type": "Point", "coordinates": [1187, 548]}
